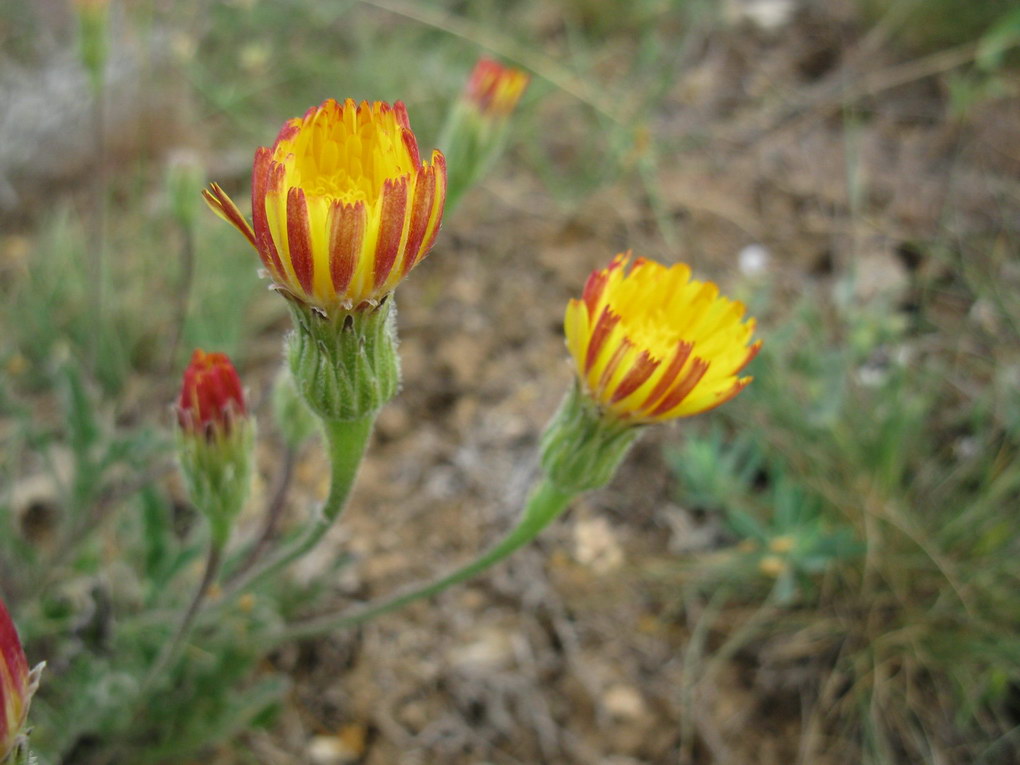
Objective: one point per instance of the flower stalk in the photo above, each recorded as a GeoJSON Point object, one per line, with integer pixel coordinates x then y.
{"type": "Point", "coordinates": [173, 647]}
{"type": "Point", "coordinates": [546, 504]}
{"type": "Point", "coordinates": [346, 442]}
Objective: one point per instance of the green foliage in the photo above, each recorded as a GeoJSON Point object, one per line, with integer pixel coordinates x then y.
{"type": "Point", "coordinates": [101, 599]}
{"type": "Point", "coordinates": [871, 501]}
{"type": "Point", "coordinates": [784, 533]}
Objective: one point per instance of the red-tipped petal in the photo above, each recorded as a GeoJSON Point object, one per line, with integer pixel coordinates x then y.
{"type": "Point", "coordinates": [346, 235]}
{"type": "Point", "coordinates": [438, 202]}
{"type": "Point", "coordinates": [224, 206]}
{"type": "Point", "coordinates": [593, 288]}
{"type": "Point", "coordinates": [738, 386]}
{"type": "Point", "coordinates": [400, 112]}
{"type": "Point", "coordinates": [391, 228]}
{"type": "Point", "coordinates": [603, 327]}
{"type": "Point", "coordinates": [289, 130]}
{"type": "Point", "coordinates": [636, 377]}
{"type": "Point", "coordinates": [680, 355]}
{"type": "Point", "coordinates": [597, 281]}
{"type": "Point", "coordinates": [421, 212]}
{"type": "Point", "coordinates": [683, 389]}
{"type": "Point", "coordinates": [614, 361]}
{"type": "Point", "coordinates": [411, 144]}
{"type": "Point", "coordinates": [299, 239]}
{"type": "Point", "coordinates": [751, 353]}
{"type": "Point", "coordinates": [260, 178]}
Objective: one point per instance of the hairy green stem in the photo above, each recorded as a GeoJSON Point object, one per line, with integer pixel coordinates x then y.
{"type": "Point", "coordinates": [546, 504]}
{"type": "Point", "coordinates": [346, 441]}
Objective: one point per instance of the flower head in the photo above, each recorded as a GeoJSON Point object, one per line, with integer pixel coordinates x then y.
{"type": "Point", "coordinates": [651, 344]}
{"type": "Point", "coordinates": [214, 440]}
{"type": "Point", "coordinates": [17, 684]}
{"type": "Point", "coordinates": [211, 398]}
{"type": "Point", "coordinates": [342, 205]}
{"type": "Point", "coordinates": [494, 89]}
{"type": "Point", "coordinates": [477, 126]}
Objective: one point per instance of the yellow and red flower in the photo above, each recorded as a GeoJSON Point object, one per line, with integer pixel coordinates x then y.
{"type": "Point", "coordinates": [651, 344]}
{"type": "Point", "coordinates": [494, 89]}
{"type": "Point", "coordinates": [211, 399]}
{"type": "Point", "coordinates": [343, 207]}
{"type": "Point", "coordinates": [17, 684]}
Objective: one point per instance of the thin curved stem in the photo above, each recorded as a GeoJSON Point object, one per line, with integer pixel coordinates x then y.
{"type": "Point", "coordinates": [346, 441]}
{"type": "Point", "coordinates": [171, 649]}
{"type": "Point", "coordinates": [97, 225]}
{"type": "Point", "coordinates": [272, 516]}
{"type": "Point", "coordinates": [546, 504]}
{"type": "Point", "coordinates": [182, 293]}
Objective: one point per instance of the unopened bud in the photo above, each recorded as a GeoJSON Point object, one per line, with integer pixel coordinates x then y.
{"type": "Point", "coordinates": [476, 128]}
{"type": "Point", "coordinates": [215, 436]}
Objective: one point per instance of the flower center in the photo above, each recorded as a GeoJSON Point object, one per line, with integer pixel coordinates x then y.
{"type": "Point", "coordinates": [345, 153]}
{"type": "Point", "coordinates": [649, 313]}
{"type": "Point", "coordinates": [651, 331]}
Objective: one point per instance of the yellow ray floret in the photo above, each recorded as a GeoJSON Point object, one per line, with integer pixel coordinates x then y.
{"type": "Point", "coordinates": [651, 344]}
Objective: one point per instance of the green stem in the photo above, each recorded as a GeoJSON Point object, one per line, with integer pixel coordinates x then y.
{"type": "Point", "coordinates": [97, 225]}
{"type": "Point", "coordinates": [346, 441]}
{"type": "Point", "coordinates": [546, 504]}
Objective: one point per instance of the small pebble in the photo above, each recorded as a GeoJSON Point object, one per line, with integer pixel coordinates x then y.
{"type": "Point", "coordinates": [753, 260]}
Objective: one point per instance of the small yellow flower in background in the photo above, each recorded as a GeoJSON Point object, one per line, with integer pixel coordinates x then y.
{"type": "Point", "coordinates": [772, 565]}
{"type": "Point", "coordinates": [494, 89]}
{"type": "Point", "coordinates": [782, 544]}
{"type": "Point", "coordinates": [342, 205]}
{"type": "Point", "coordinates": [651, 344]}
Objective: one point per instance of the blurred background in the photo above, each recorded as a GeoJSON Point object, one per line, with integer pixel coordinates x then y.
{"type": "Point", "coordinates": [825, 571]}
